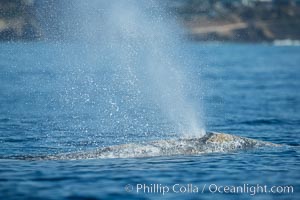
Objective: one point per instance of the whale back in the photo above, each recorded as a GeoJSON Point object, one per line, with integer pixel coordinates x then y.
{"type": "Point", "coordinates": [212, 142]}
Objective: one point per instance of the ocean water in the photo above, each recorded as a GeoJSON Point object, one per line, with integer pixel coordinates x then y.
{"type": "Point", "coordinates": [50, 103]}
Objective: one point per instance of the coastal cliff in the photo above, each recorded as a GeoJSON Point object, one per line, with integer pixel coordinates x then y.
{"type": "Point", "coordinates": [204, 20]}
{"type": "Point", "coordinates": [17, 20]}
{"type": "Point", "coordinates": [244, 21]}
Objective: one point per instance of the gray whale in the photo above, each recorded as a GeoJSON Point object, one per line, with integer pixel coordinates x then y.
{"type": "Point", "coordinates": [212, 142]}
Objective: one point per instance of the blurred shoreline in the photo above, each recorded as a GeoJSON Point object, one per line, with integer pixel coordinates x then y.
{"type": "Point", "coordinates": [240, 20]}
{"type": "Point", "coordinates": [275, 21]}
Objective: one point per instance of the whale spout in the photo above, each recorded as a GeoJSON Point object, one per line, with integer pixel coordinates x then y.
{"type": "Point", "coordinates": [212, 142]}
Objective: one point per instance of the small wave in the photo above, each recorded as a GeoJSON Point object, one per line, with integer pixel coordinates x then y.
{"type": "Point", "coordinates": [287, 42]}
{"type": "Point", "coordinates": [271, 121]}
{"type": "Point", "coordinates": [4, 120]}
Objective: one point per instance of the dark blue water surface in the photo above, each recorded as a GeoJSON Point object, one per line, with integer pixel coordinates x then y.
{"type": "Point", "coordinates": [55, 98]}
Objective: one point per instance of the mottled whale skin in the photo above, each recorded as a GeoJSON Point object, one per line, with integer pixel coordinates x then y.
{"type": "Point", "coordinates": [212, 142]}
